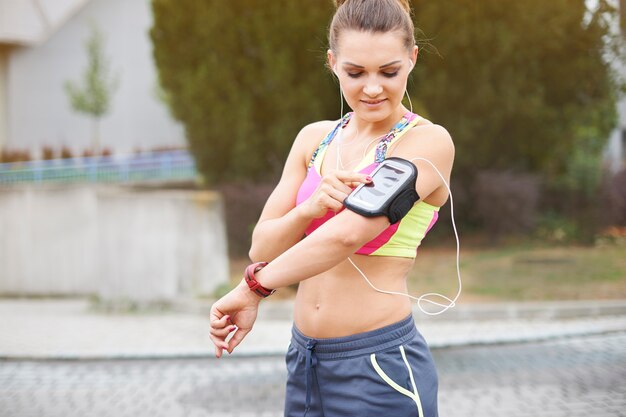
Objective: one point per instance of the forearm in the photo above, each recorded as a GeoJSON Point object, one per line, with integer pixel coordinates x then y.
{"type": "Point", "coordinates": [328, 246]}
{"type": "Point", "coordinates": [271, 238]}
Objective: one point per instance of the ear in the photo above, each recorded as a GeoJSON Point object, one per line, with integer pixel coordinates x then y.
{"type": "Point", "coordinates": [414, 53]}
{"type": "Point", "coordinates": [332, 62]}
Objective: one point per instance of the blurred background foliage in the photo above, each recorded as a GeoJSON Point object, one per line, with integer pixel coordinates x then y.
{"type": "Point", "coordinates": [519, 84]}
{"type": "Point", "coordinates": [244, 77]}
{"type": "Point", "coordinates": [526, 88]}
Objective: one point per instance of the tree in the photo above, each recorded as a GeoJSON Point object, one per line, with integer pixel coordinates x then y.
{"type": "Point", "coordinates": [526, 85]}
{"type": "Point", "coordinates": [93, 97]}
{"type": "Point", "coordinates": [243, 77]}
{"type": "Point", "coordinates": [521, 85]}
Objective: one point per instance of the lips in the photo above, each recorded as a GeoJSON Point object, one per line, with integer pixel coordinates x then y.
{"type": "Point", "coordinates": [373, 102]}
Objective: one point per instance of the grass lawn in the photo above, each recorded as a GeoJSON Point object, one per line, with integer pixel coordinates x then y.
{"type": "Point", "coordinates": [523, 273]}
{"type": "Point", "coordinates": [513, 272]}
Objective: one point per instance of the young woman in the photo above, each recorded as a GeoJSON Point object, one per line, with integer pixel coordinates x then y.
{"type": "Point", "coordinates": [354, 351]}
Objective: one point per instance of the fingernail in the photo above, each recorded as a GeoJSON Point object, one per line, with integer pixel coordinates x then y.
{"type": "Point", "coordinates": [368, 178]}
{"type": "Point", "coordinates": [232, 330]}
{"type": "Point", "coordinates": [227, 318]}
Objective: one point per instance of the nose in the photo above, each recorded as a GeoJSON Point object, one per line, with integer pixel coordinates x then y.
{"type": "Point", "coordinates": [372, 88]}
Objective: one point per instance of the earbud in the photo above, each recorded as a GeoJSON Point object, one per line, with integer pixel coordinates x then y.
{"type": "Point", "coordinates": [410, 65]}
{"type": "Point", "coordinates": [335, 69]}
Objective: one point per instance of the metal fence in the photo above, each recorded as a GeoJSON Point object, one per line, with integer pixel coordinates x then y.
{"type": "Point", "coordinates": [163, 166]}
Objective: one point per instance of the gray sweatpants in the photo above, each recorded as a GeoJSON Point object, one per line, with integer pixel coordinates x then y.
{"type": "Point", "coordinates": [385, 372]}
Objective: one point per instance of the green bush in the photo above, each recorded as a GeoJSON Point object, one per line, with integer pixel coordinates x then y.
{"type": "Point", "coordinates": [244, 202]}
{"type": "Point", "coordinates": [520, 84]}
{"type": "Point", "coordinates": [507, 202]}
{"type": "Point", "coordinates": [555, 228]}
{"type": "Point", "coordinates": [616, 194]}
{"type": "Point", "coordinates": [243, 77]}
{"type": "Point", "coordinates": [523, 86]}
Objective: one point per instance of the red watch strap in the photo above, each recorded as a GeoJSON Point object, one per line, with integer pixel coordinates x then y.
{"type": "Point", "coordinates": [253, 283]}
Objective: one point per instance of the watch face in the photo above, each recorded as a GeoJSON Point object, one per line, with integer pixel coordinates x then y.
{"type": "Point", "coordinates": [387, 180]}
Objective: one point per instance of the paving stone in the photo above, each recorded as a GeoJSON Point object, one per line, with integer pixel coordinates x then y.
{"type": "Point", "coordinates": [572, 377]}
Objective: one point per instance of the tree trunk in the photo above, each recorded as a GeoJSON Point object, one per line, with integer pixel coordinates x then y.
{"type": "Point", "coordinates": [96, 135]}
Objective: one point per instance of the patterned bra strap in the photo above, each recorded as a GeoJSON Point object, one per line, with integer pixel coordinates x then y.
{"type": "Point", "coordinates": [408, 121]}
{"type": "Point", "coordinates": [324, 143]}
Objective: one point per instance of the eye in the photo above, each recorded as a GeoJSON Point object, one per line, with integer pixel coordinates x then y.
{"type": "Point", "coordinates": [390, 74]}
{"type": "Point", "coordinates": [354, 74]}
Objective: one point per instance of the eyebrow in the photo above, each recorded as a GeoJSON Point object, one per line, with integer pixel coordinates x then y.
{"type": "Point", "coordinates": [382, 66]}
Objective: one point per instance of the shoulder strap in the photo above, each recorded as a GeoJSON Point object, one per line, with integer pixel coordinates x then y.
{"type": "Point", "coordinates": [404, 125]}
{"type": "Point", "coordinates": [329, 137]}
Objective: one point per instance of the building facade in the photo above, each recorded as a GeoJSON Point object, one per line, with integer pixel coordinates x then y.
{"type": "Point", "coordinates": [42, 46]}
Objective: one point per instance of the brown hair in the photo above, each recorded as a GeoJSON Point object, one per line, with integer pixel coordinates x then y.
{"type": "Point", "coordinates": [372, 16]}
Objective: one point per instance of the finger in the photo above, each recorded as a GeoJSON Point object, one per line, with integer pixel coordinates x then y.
{"type": "Point", "coordinates": [349, 177]}
{"type": "Point", "coordinates": [338, 195]}
{"type": "Point", "coordinates": [219, 343]}
{"type": "Point", "coordinates": [238, 336]}
{"type": "Point", "coordinates": [218, 320]}
{"type": "Point", "coordinates": [336, 184]}
{"type": "Point", "coordinates": [355, 184]}
{"type": "Point", "coordinates": [332, 204]}
{"type": "Point", "coordinates": [222, 333]}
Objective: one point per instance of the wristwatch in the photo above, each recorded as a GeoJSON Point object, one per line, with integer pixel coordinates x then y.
{"type": "Point", "coordinates": [254, 285]}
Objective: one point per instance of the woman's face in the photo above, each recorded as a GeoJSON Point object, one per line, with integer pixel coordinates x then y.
{"type": "Point", "coordinates": [372, 69]}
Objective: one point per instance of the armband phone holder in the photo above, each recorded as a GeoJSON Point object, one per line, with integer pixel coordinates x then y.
{"type": "Point", "coordinates": [391, 193]}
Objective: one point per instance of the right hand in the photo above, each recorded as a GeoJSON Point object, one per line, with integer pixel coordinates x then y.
{"type": "Point", "coordinates": [237, 310]}
{"type": "Point", "coordinates": [334, 187]}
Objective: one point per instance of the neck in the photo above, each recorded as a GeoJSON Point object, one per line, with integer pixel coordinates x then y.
{"type": "Point", "coordinates": [368, 129]}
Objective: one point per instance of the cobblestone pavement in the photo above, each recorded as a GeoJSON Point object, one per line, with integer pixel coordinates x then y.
{"type": "Point", "coordinates": [582, 376]}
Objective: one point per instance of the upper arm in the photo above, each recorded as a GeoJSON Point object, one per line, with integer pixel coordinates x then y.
{"type": "Point", "coordinates": [428, 143]}
{"type": "Point", "coordinates": [283, 198]}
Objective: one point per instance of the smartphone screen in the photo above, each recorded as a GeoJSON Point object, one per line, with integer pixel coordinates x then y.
{"type": "Point", "coordinates": [386, 181]}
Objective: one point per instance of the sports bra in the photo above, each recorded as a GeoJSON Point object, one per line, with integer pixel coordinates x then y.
{"type": "Point", "coordinates": [400, 239]}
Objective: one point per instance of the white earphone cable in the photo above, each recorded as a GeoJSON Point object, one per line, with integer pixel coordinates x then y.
{"type": "Point", "coordinates": [423, 297]}
{"type": "Point", "coordinates": [406, 92]}
{"type": "Point", "coordinates": [341, 101]}
{"type": "Point", "coordinates": [340, 140]}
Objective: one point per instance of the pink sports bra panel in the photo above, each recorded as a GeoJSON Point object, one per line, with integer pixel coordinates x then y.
{"type": "Point", "coordinates": [400, 239]}
{"type": "Point", "coordinates": [309, 185]}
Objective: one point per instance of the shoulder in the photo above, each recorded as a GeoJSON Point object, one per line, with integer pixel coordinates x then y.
{"type": "Point", "coordinates": [310, 137]}
{"type": "Point", "coordinates": [428, 138]}
{"type": "Point", "coordinates": [433, 134]}
{"type": "Point", "coordinates": [315, 129]}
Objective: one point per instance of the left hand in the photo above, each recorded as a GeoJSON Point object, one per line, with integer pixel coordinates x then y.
{"type": "Point", "coordinates": [239, 308]}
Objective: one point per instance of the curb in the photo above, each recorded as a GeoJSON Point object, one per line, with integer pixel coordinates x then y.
{"type": "Point", "coordinates": [464, 326]}
{"type": "Point", "coordinates": [532, 310]}
{"type": "Point", "coordinates": [283, 310]}
{"type": "Point", "coordinates": [279, 353]}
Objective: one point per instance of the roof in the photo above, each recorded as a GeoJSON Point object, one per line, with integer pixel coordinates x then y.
{"type": "Point", "coordinates": [28, 22]}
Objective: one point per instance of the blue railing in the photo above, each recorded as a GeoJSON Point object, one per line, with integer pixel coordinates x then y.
{"type": "Point", "coordinates": [162, 166]}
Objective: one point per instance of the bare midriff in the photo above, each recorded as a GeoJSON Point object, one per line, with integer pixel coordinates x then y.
{"type": "Point", "coordinates": [339, 302]}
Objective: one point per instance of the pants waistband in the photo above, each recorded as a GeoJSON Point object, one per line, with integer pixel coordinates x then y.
{"type": "Point", "coordinates": [357, 344]}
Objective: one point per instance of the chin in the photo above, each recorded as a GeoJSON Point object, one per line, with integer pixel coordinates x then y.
{"type": "Point", "coordinates": [373, 115]}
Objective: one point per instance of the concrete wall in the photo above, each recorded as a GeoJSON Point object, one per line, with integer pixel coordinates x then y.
{"type": "Point", "coordinates": [117, 242]}
{"type": "Point", "coordinates": [40, 112]}
{"type": "Point", "coordinates": [4, 109]}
